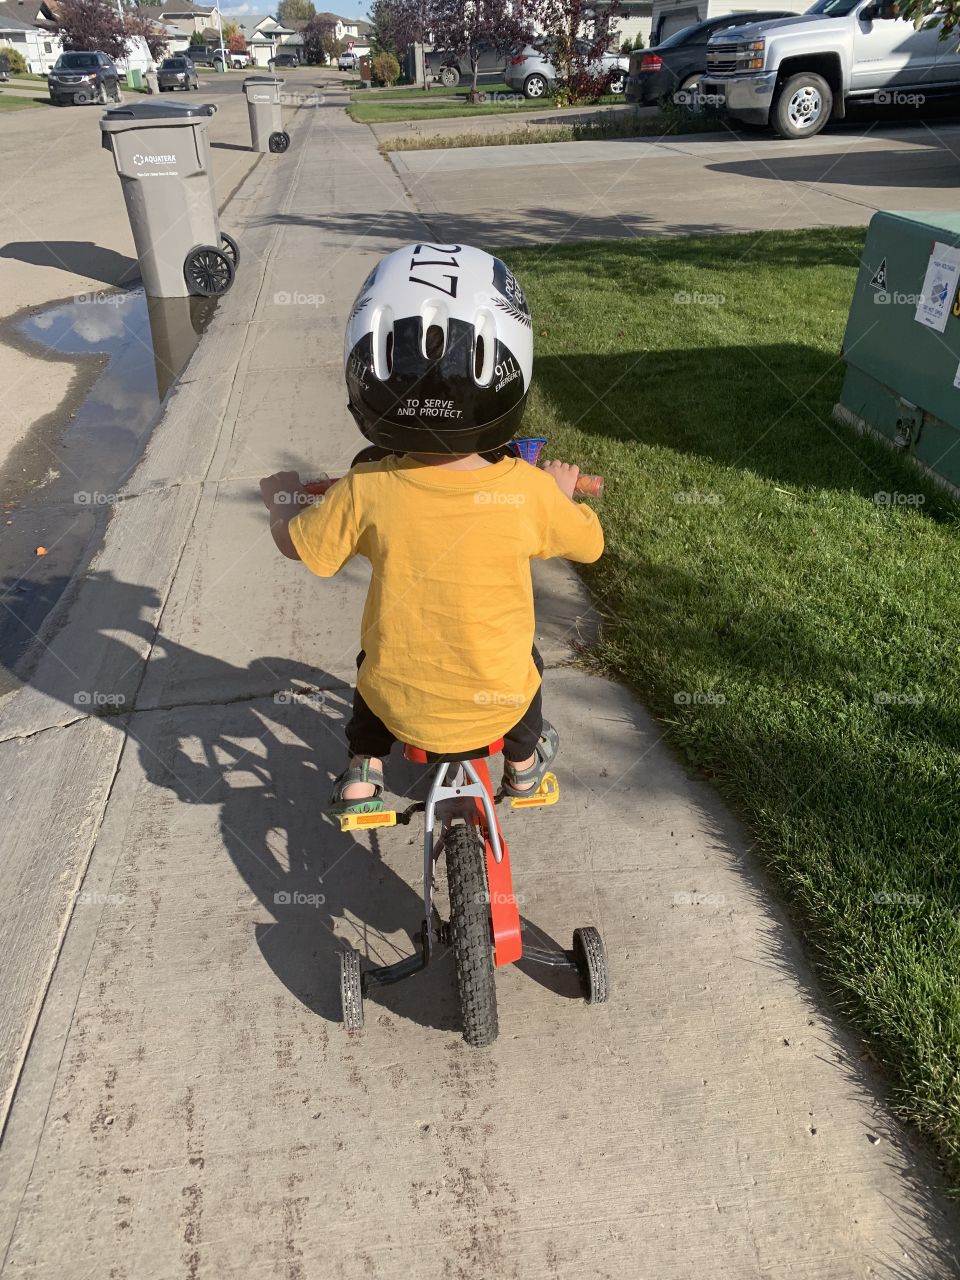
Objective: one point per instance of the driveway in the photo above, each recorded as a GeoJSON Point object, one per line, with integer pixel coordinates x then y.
{"type": "Point", "coordinates": [681, 185]}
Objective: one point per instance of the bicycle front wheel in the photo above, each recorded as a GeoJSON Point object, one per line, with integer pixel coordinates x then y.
{"type": "Point", "coordinates": [472, 939]}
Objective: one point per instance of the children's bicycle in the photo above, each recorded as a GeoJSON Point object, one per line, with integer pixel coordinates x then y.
{"type": "Point", "coordinates": [460, 824]}
{"type": "Point", "coordinates": [484, 929]}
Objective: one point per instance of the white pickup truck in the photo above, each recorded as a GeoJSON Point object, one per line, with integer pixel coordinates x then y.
{"type": "Point", "coordinates": [794, 74]}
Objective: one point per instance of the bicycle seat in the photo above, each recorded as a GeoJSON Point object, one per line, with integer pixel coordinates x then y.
{"type": "Point", "coordinates": [418, 756]}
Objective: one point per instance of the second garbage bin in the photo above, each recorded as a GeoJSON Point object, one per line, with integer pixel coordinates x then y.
{"type": "Point", "coordinates": [163, 159]}
{"type": "Point", "coordinates": [266, 118]}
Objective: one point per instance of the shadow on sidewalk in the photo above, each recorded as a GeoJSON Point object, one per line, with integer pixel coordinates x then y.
{"type": "Point", "coordinates": [262, 744]}
{"type": "Point", "coordinates": [78, 257]}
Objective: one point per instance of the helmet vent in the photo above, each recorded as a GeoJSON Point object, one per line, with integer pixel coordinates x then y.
{"type": "Point", "coordinates": [383, 343]}
{"type": "Point", "coordinates": [433, 342]}
{"type": "Point", "coordinates": [484, 348]}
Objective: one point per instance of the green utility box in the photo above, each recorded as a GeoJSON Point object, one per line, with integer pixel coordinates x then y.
{"type": "Point", "coordinates": [902, 344]}
{"type": "Point", "coordinates": [134, 78]}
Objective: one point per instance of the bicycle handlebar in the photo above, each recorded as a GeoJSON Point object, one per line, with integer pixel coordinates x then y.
{"type": "Point", "coordinates": [586, 486]}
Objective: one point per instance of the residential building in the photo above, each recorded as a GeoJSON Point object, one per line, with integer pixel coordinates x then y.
{"type": "Point", "coordinates": [21, 28]}
{"type": "Point", "coordinates": [670, 15]}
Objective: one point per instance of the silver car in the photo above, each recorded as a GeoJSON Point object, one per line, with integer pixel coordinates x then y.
{"type": "Point", "coordinates": [533, 74]}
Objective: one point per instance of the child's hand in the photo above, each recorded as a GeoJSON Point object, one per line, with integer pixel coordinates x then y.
{"type": "Point", "coordinates": [565, 474]}
{"type": "Point", "coordinates": [281, 489]}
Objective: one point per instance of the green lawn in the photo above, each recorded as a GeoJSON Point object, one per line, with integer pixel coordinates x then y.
{"type": "Point", "coordinates": [13, 102]}
{"type": "Point", "coordinates": [377, 110]}
{"type": "Point", "coordinates": [797, 636]}
{"type": "Point", "coordinates": [594, 128]}
{"type": "Point", "coordinates": [415, 91]}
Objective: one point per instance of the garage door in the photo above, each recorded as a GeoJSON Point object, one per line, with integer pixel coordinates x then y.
{"type": "Point", "coordinates": [676, 21]}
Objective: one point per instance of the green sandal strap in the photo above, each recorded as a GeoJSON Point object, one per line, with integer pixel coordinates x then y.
{"type": "Point", "coordinates": [357, 773]}
{"type": "Point", "coordinates": [545, 753]}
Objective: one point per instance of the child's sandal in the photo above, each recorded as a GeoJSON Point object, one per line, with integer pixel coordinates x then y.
{"type": "Point", "coordinates": [357, 773]}
{"type": "Point", "coordinates": [546, 752]}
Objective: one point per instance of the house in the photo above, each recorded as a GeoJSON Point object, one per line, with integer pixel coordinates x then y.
{"type": "Point", "coordinates": [352, 33]}
{"type": "Point", "coordinates": [634, 18]}
{"type": "Point", "coordinates": [21, 28]}
{"type": "Point", "coordinates": [671, 15]}
{"type": "Point", "coordinates": [266, 37]}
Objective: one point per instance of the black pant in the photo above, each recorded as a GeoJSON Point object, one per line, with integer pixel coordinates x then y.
{"type": "Point", "coordinates": [367, 735]}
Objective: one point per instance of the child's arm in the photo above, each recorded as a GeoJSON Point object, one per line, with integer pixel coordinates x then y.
{"type": "Point", "coordinates": [284, 497]}
{"type": "Point", "coordinates": [573, 530]}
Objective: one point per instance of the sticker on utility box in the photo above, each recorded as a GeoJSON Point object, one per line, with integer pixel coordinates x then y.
{"type": "Point", "coordinates": [956, 378]}
{"type": "Point", "coordinates": [939, 287]}
{"type": "Point", "coordinates": [879, 278]}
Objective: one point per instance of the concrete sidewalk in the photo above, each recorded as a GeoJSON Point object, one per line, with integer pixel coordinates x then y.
{"type": "Point", "coordinates": [189, 1106]}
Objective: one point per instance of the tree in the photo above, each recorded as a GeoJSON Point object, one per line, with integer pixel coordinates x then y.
{"type": "Point", "coordinates": [468, 29]}
{"type": "Point", "coordinates": [295, 11]}
{"type": "Point", "coordinates": [917, 12]}
{"type": "Point", "coordinates": [385, 69]}
{"type": "Point", "coordinates": [197, 41]}
{"type": "Point", "coordinates": [237, 42]}
{"type": "Point", "coordinates": [91, 24]}
{"type": "Point", "coordinates": [332, 47]}
{"type": "Point", "coordinates": [409, 22]}
{"type": "Point", "coordinates": [313, 36]}
{"type": "Point", "coordinates": [135, 25]}
{"type": "Point", "coordinates": [16, 62]}
{"type": "Point", "coordinates": [575, 36]}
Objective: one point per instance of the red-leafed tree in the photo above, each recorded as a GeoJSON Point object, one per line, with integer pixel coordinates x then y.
{"type": "Point", "coordinates": [237, 42]}
{"type": "Point", "coordinates": [468, 29]}
{"type": "Point", "coordinates": [409, 22]}
{"type": "Point", "coordinates": [575, 34]}
{"type": "Point", "coordinates": [91, 24]}
{"type": "Point", "coordinates": [918, 11]}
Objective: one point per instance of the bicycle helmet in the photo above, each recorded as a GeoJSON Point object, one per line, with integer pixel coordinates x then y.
{"type": "Point", "coordinates": [438, 352]}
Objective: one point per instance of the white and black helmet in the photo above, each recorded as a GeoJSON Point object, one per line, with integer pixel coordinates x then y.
{"type": "Point", "coordinates": [439, 351]}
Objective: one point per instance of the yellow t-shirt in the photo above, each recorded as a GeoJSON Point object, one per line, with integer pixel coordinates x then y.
{"type": "Point", "coordinates": [448, 622]}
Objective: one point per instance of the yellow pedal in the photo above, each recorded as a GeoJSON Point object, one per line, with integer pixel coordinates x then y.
{"type": "Point", "coordinates": [354, 821]}
{"type": "Point", "coordinates": [547, 793]}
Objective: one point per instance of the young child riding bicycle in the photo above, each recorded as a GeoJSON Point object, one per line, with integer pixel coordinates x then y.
{"type": "Point", "coordinates": [439, 358]}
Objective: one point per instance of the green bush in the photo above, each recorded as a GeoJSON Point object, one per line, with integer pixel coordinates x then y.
{"type": "Point", "coordinates": [385, 69]}
{"type": "Point", "coordinates": [16, 63]}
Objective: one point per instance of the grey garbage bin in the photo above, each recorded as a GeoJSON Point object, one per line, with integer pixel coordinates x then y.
{"type": "Point", "coordinates": [163, 159]}
{"type": "Point", "coordinates": [266, 118]}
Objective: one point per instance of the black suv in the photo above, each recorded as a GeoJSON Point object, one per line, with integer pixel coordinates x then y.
{"type": "Point", "coordinates": [83, 77]}
{"type": "Point", "coordinates": [676, 64]}
{"type": "Point", "coordinates": [285, 60]}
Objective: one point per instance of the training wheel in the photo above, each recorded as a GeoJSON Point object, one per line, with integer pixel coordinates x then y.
{"type": "Point", "coordinates": [351, 991]}
{"type": "Point", "coordinates": [591, 957]}
{"type": "Point", "coordinates": [279, 141]}
{"type": "Point", "coordinates": [208, 271]}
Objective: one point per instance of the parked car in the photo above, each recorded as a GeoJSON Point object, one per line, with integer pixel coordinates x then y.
{"type": "Point", "coordinates": [348, 61]}
{"type": "Point", "coordinates": [240, 60]}
{"type": "Point", "coordinates": [79, 76]}
{"type": "Point", "coordinates": [450, 70]}
{"type": "Point", "coordinates": [284, 60]}
{"type": "Point", "coordinates": [677, 64]}
{"type": "Point", "coordinates": [533, 74]}
{"type": "Point", "coordinates": [795, 74]}
{"type": "Point", "coordinates": [177, 73]}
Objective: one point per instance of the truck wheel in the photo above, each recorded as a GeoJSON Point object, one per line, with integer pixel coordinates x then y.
{"type": "Point", "coordinates": [802, 107]}
{"type": "Point", "coordinates": [449, 76]}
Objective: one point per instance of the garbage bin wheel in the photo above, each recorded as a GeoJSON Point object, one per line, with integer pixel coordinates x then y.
{"type": "Point", "coordinates": [279, 141]}
{"type": "Point", "coordinates": [230, 247]}
{"type": "Point", "coordinates": [208, 271]}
